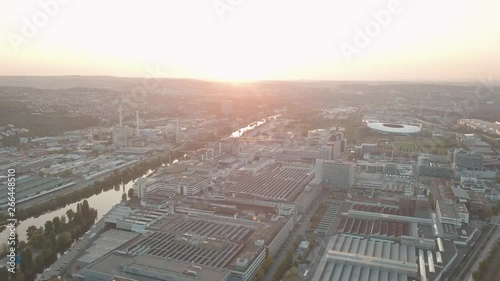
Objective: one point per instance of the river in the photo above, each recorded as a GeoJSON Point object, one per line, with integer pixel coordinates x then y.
{"type": "Point", "coordinates": [253, 125]}
{"type": "Point", "coordinates": [102, 202]}
{"type": "Point", "coordinates": [105, 200]}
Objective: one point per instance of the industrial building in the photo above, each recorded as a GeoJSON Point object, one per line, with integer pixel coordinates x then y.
{"type": "Point", "coordinates": [187, 183]}
{"type": "Point", "coordinates": [333, 139]}
{"type": "Point", "coordinates": [355, 258]}
{"type": "Point", "coordinates": [378, 240]}
{"type": "Point", "coordinates": [467, 160]}
{"type": "Point", "coordinates": [451, 212]}
{"type": "Point", "coordinates": [426, 167]}
{"type": "Point", "coordinates": [363, 148]}
{"type": "Point", "coordinates": [470, 163]}
{"type": "Point", "coordinates": [135, 219]}
{"type": "Point", "coordinates": [318, 136]}
{"type": "Point", "coordinates": [29, 187]}
{"type": "Point", "coordinates": [136, 151]}
{"type": "Point", "coordinates": [184, 247]}
{"type": "Point", "coordinates": [287, 182]}
{"type": "Point", "coordinates": [335, 173]}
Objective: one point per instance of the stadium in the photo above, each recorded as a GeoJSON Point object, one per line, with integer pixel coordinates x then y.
{"type": "Point", "coordinates": [394, 128]}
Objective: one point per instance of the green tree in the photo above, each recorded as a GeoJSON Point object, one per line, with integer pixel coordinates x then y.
{"type": "Point", "coordinates": [39, 262]}
{"type": "Point", "coordinates": [71, 214]}
{"type": "Point", "coordinates": [85, 210]}
{"type": "Point", "coordinates": [30, 231]}
{"type": "Point", "coordinates": [63, 241]}
{"type": "Point", "coordinates": [66, 174]}
{"type": "Point", "coordinates": [56, 223]}
{"type": "Point", "coordinates": [3, 273]}
{"type": "Point", "coordinates": [476, 274]}
{"type": "Point", "coordinates": [48, 227]}
{"type": "Point", "coordinates": [78, 219]}
{"type": "Point", "coordinates": [19, 276]}
{"type": "Point", "coordinates": [26, 261]}
{"type": "Point", "coordinates": [292, 275]}
{"type": "Point", "coordinates": [260, 274]}
{"type": "Point", "coordinates": [38, 241]}
{"type": "Point", "coordinates": [130, 193]}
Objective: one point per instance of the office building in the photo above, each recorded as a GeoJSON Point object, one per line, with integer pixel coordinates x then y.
{"type": "Point", "coordinates": [318, 136]}
{"type": "Point", "coordinates": [467, 160]}
{"type": "Point", "coordinates": [335, 173]}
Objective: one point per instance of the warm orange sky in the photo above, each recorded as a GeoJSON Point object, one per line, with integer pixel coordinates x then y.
{"type": "Point", "coordinates": [278, 39]}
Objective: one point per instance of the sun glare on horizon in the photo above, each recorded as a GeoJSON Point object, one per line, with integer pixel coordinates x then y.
{"type": "Point", "coordinates": [387, 39]}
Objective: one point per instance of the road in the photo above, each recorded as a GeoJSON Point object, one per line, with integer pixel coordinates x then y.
{"type": "Point", "coordinates": [484, 253]}
{"type": "Point", "coordinates": [68, 259]}
{"type": "Point", "coordinates": [318, 252]}
{"type": "Point", "coordinates": [316, 257]}
{"type": "Point", "coordinates": [301, 230]}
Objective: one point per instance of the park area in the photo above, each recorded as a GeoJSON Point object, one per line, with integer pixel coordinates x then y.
{"type": "Point", "coordinates": [434, 146]}
{"type": "Point", "coordinates": [419, 145]}
{"type": "Point", "coordinates": [405, 147]}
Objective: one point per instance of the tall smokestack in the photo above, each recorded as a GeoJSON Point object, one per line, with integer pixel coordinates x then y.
{"type": "Point", "coordinates": [120, 115]}
{"type": "Point", "coordinates": [137, 122]}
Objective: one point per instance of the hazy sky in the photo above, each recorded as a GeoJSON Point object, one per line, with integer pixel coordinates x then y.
{"type": "Point", "coordinates": [252, 39]}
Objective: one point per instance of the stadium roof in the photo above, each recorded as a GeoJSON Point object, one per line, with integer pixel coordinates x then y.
{"type": "Point", "coordinates": [394, 128]}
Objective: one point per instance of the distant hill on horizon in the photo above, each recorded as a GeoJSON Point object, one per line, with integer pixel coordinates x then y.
{"type": "Point", "coordinates": [77, 81]}
{"type": "Point", "coordinates": [121, 83]}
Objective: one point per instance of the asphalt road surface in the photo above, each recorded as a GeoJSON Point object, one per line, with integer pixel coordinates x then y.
{"type": "Point", "coordinates": [300, 230]}
{"type": "Point", "coordinates": [67, 260]}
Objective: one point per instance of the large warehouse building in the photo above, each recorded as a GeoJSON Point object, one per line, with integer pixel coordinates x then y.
{"type": "Point", "coordinates": [355, 258]}
{"type": "Point", "coordinates": [184, 247]}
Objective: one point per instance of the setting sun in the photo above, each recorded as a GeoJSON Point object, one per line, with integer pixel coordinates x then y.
{"type": "Point", "coordinates": [251, 40]}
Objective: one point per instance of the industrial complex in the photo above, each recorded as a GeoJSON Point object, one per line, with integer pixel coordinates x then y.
{"type": "Point", "coordinates": [338, 212]}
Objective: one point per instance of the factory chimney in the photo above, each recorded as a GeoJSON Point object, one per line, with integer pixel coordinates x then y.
{"type": "Point", "coordinates": [120, 118]}
{"type": "Point", "coordinates": [137, 122]}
